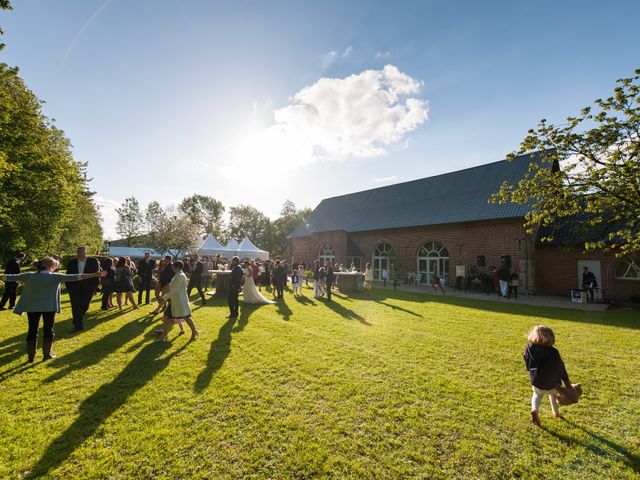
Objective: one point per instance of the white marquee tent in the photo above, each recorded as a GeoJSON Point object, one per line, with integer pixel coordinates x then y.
{"type": "Point", "coordinates": [211, 247]}
{"type": "Point", "coordinates": [248, 249]}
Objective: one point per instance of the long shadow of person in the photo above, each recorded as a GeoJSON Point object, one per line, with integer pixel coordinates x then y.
{"type": "Point", "coordinates": [601, 446]}
{"type": "Point", "coordinates": [396, 307]}
{"type": "Point", "coordinates": [346, 312]}
{"type": "Point", "coordinates": [245, 313]}
{"type": "Point", "coordinates": [97, 408]}
{"type": "Point", "coordinates": [93, 353]}
{"type": "Point", "coordinates": [218, 353]}
{"type": "Point", "coordinates": [284, 310]}
{"type": "Point", "coordinates": [305, 300]}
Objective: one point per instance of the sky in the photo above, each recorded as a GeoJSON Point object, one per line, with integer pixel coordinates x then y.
{"type": "Point", "coordinates": [256, 102]}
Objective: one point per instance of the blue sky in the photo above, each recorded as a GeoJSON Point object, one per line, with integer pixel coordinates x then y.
{"type": "Point", "coordinates": [169, 98]}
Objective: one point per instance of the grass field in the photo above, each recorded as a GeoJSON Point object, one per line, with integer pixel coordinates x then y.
{"type": "Point", "coordinates": [399, 386]}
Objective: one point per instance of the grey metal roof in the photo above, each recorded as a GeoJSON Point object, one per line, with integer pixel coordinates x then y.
{"type": "Point", "coordinates": [460, 196]}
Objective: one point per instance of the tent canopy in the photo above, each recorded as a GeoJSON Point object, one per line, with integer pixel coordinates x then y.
{"type": "Point", "coordinates": [246, 249]}
{"type": "Point", "coordinates": [211, 246]}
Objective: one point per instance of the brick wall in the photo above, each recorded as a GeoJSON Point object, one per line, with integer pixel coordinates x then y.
{"type": "Point", "coordinates": [557, 272]}
{"type": "Point", "coordinates": [464, 242]}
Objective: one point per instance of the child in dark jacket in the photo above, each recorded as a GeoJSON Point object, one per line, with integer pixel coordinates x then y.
{"type": "Point", "coordinates": [546, 369]}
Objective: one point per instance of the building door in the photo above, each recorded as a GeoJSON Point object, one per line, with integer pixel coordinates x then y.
{"type": "Point", "coordinates": [593, 266]}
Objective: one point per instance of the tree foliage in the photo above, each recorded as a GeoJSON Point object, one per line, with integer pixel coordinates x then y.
{"type": "Point", "coordinates": [245, 220]}
{"type": "Point", "coordinates": [290, 219]}
{"type": "Point", "coordinates": [84, 227]}
{"type": "Point", "coordinates": [599, 179]}
{"type": "Point", "coordinates": [205, 212]}
{"type": "Point", "coordinates": [40, 182]}
{"type": "Point", "coordinates": [130, 220]}
{"type": "Point", "coordinates": [175, 233]}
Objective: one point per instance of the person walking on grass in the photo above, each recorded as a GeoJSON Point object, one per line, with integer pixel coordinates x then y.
{"type": "Point", "coordinates": [41, 299]}
{"type": "Point", "coordinates": [165, 274]}
{"type": "Point", "coordinates": [546, 369]}
{"type": "Point", "coordinates": [368, 279]}
{"type": "Point", "coordinates": [329, 279]}
{"type": "Point", "coordinates": [146, 266]}
{"type": "Point", "coordinates": [178, 309]}
{"type": "Point", "coordinates": [11, 288]}
{"type": "Point", "coordinates": [235, 283]}
{"type": "Point", "coordinates": [195, 281]}
{"type": "Point", "coordinates": [124, 283]}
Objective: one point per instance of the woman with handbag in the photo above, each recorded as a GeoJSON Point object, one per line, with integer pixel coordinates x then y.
{"type": "Point", "coordinates": [124, 283]}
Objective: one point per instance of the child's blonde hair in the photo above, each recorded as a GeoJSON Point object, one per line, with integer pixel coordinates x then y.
{"type": "Point", "coordinates": [541, 335]}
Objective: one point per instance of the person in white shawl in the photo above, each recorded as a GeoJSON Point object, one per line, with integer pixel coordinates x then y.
{"type": "Point", "coordinates": [179, 309]}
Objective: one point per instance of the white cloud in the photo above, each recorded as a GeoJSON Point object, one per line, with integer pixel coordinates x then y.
{"type": "Point", "coordinates": [382, 55]}
{"type": "Point", "coordinates": [347, 52]}
{"type": "Point", "coordinates": [389, 179]}
{"type": "Point", "coordinates": [328, 58]}
{"type": "Point", "coordinates": [338, 119]}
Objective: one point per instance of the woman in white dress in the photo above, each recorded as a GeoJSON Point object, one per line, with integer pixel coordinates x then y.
{"type": "Point", "coordinates": [250, 292]}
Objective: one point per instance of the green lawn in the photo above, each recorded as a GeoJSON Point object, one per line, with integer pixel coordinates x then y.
{"type": "Point", "coordinates": [399, 386]}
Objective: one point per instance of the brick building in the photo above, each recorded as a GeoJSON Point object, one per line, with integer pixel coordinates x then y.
{"type": "Point", "coordinates": [430, 226]}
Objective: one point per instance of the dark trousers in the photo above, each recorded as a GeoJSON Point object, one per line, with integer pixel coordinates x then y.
{"type": "Point", "coordinates": [279, 289]}
{"type": "Point", "coordinates": [80, 300]}
{"type": "Point", "coordinates": [10, 290]}
{"type": "Point", "coordinates": [329, 285]}
{"type": "Point", "coordinates": [34, 322]}
{"type": "Point", "coordinates": [145, 285]}
{"type": "Point", "coordinates": [197, 284]}
{"type": "Point", "coordinates": [232, 300]}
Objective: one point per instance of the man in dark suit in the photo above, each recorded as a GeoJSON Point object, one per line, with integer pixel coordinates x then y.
{"type": "Point", "coordinates": [329, 279]}
{"type": "Point", "coordinates": [235, 282]}
{"type": "Point", "coordinates": [195, 281]}
{"type": "Point", "coordinates": [10, 288]}
{"type": "Point", "coordinates": [82, 291]}
{"type": "Point", "coordinates": [278, 278]}
{"type": "Point", "coordinates": [145, 274]}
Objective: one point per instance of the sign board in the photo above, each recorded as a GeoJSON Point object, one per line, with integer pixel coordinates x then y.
{"type": "Point", "coordinates": [578, 296]}
{"type": "Point", "coordinates": [461, 271]}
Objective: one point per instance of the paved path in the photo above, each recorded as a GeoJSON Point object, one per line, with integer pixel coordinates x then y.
{"type": "Point", "coordinates": [538, 300]}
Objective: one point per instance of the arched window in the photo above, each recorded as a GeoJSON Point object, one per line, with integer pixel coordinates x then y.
{"type": "Point", "coordinates": [327, 254]}
{"type": "Point", "coordinates": [628, 268]}
{"type": "Point", "coordinates": [381, 260]}
{"type": "Point", "coordinates": [432, 261]}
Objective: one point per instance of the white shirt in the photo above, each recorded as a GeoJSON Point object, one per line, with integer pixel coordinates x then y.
{"type": "Point", "coordinates": [81, 265]}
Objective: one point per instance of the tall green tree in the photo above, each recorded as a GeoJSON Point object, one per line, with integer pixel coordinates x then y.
{"type": "Point", "coordinates": [174, 233]}
{"type": "Point", "coordinates": [245, 220]}
{"type": "Point", "coordinates": [290, 219]}
{"type": "Point", "coordinates": [130, 220]}
{"type": "Point", "coordinates": [205, 212]}
{"type": "Point", "coordinates": [84, 227]}
{"type": "Point", "coordinates": [599, 176]}
{"type": "Point", "coordinates": [40, 182]}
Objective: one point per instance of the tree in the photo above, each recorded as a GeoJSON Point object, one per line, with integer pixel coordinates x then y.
{"type": "Point", "coordinates": [130, 220]}
{"type": "Point", "coordinates": [290, 219]}
{"type": "Point", "coordinates": [175, 233]}
{"type": "Point", "coordinates": [83, 228]}
{"type": "Point", "coordinates": [245, 220]}
{"type": "Point", "coordinates": [40, 182]}
{"type": "Point", "coordinates": [153, 216]}
{"type": "Point", "coordinates": [205, 212]}
{"type": "Point", "coordinates": [4, 5]}
{"type": "Point", "coordinates": [599, 176]}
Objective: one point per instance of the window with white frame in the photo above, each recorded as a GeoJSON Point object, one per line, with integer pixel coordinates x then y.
{"type": "Point", "coordinates": [432, 261]}
{"type": "Point", "coordinates": [628, 268]}
{"type": "Point", "coordinates": [327, 254]}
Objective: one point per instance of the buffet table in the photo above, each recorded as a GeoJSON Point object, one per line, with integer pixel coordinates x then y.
{"type": "Point", "coordinates": [348, 281]}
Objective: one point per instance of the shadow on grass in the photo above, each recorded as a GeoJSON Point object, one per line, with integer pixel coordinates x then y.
{"type": "Point", "coordinates": [284, 310]}
{"type": "Point", "coordinates": [93, 353]}
{"type": "Point", "coordinates": [97, 408]}
{"type": "Point", "coordinates": [599, 445]}
{"type": "Point", "coordinates": [218, 353]}
{"type": "Point", "coordinates": [396, 307]}
{"type": "Point", "coordinates": [305, 300]}
{"type": "Point", "coordinates": [345, 312]}
{"type": "Point", "coordinates": [616, 318]}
